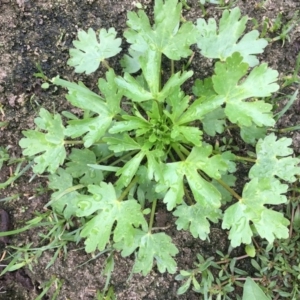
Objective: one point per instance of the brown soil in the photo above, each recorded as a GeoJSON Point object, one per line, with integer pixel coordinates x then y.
{"type": "Point", "coordinates": [41, 31]}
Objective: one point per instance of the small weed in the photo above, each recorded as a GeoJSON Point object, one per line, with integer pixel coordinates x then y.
{"type": "Point", "coordinates": [110, 167]}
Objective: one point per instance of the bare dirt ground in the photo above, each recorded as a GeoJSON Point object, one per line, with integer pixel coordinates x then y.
{"type": "Point", "coordinates": [41, 31]}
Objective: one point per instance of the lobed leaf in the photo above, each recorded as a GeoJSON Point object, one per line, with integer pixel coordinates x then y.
{"type": "Point", "coordinates": [122, 143]}
{"type": "Point", "coordinates": [77, 167]}
{"type": "Point", "coordinates": [156, 246]}
{"type": "Point", "coordinates": [195, 219]}
{"type": "Point", "coordinates": [222, 42]}
{"type": "Point", "coordinates": [269, 224]}
{"type": "Point", "coordinates": [204, 192]}
{"type": "Point", "coordinates": [272, 159]}
{"type": "Point", "coordinates": [126, 214]}
{"type": "Point", "coordinates": [259, 83]}
{"type": "Point", "coordinates": [200, 108]}
{"type": "Point", "coordinates": [49, 146]}
{"type": "Point", "coordinates": [214, 122]}
{"type": "Point", "coordinates": [111, 92]}
{"type": "Point", "coordinates": [65, 199]}
{"type": "Point", "coordinates": [166, 36]}
{"type": "Point", "coordinates": [129, 170]}
{"type": "Point", "coordinates": [93, 128]}
{"type": "Point", "coordinates": [80, 96]}
{"type": "Point", "coordinates": [89, 52]}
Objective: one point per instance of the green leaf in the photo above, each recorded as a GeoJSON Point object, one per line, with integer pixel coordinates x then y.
{"type": "Point", "coordinates": [122, 143]}
{"type": "Point", "coordinates": [213, 166]}
{"type": "Point", "coordinates": [252, 133]}
{"type": "Point", "coordinates": [4, 156]}
{"type": "Point", "coordinates": [223, 42]}
{"type": "Point", "coordinates": [200, 108]}
{"type": "Point", "coordinates": [214, 121]}
{"type": "Point", "coordinates": [179, 103]}
{"type": "Point", "coordinates": [272, 159]}
{"type": "Point", "coordinates": [110, 91]}
{"type": "Point", "coordinates": [89, 52]}
{"type": "Point", "coordinates": [154, 165]}
{"type": "Point", "coordinates": [151, 66]}
{"type": "Point", "coordinates": [204, 192]}
{"type": "Point", "coordinates": [133, 89]}
{"type": "Point", "coordinates": [93, 128]}
{"type": "Point", "coordinates": [128, 171]}
{"type": "Point", "coordinates": [185, 286]}
{"type": "Point", "coordinates": [203, 88]}
{"type": "Point", "coordinates": [78, 167]}
{"type": "Point", "coordinates": [172, 84]}
{"type": "Point", "coordinates": [269, 224]}
{"type": "Point", "coordinates": [166, 36]}
{"type": "Point", "coordinates": [173, 183]}
{"type": "Point", "coordinates": [130, 123]}
{"type": "Point", "coordinates": [50, 145]}
{"type": "Point", "coordinates": [119, 218]}
{"type": "Point", "coordinates": [252, 291]}
{"type": "Point", "coordinates": [129, 249]}
{"type": "Point", "coordinates": [185, 134]}
{"type": "Point", "coordinates": [259, 83]}
{"type": "Point", "coordinates": [130, 63]}
{"type": "Point", "coordinates": [230, 181]}
{"type": "Point", "coordinates": [65, 199]}
{"type": "Point", "coordinates": [80, 96]}
{"type": "Point", "coordinates": [250, 250]}
{"type": "Point", "coordinates": [194, 218]}
{"type": "Point", "coordinates": [156, 246]}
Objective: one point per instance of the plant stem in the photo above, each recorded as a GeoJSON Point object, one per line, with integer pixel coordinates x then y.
{"type": "Point", "coordinates": [105, 63]}
{"type": "Point", "coordinates": [229, 189]}
{"type": "Point", "coordinates": [245, 158]}
{"type": "Point", "coordinates": [189, 61]}
{"type": "Point", "coordinates": [287, 129]}
{"type": "Point", "coordinates": [152, 215]}
{"type": "Point", "coordinates": [105, 158]}
{"type": "Point", "coordinates": [73, 142]}
{"type": "Point", "coordinates": [179, 153]}
{"type": "Point", "coordinates": [172, 67]}
{"type": "Point", "coordinates": [186, 193]}
{"type": "Point", "coordinates": [184, 150]}
{"type": "Point", "coordinates": [126, 191]}
{"type": "Point", "coordinates": [123, 157]}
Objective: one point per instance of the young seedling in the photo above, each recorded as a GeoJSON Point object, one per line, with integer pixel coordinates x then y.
{"type": "Point", "coordinates": [142, 139]}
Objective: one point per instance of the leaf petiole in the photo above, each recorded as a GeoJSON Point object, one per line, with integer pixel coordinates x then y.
{"type": "Point", "coordinates": [126, 191]}
{"type": "Point", "coordinates": [178, 152]}
{"type": "Point", "coordinates": [229, 189]}
{"type": "Point", "coordinates": [152, 215]}
{"type": "Point", "coordinates": [124, 157]}
{"type": "Point", "coordinates": [245, 159]}
{"type": "Point", "coordinates": [73, 142]}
